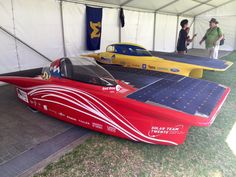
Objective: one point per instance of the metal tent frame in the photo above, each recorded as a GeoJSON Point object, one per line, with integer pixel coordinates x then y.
{"type": "Point", "coordinates": [125, 6]}
{"type": "Point", "coordinates": [156, 11]}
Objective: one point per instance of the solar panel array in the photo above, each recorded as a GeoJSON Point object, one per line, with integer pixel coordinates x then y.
{"type": "Point", "coordinates": [196, 97]}
{"type": "Point", "coordinates": [189, 95]}
{"type": "Point", "coordinates": [189, 59]}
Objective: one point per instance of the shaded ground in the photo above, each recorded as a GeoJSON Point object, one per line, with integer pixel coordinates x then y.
{"type": "Point", "coordinates": [30, 139]}
{"type": "Point", "coordinates": [20, 129]}
{"type": "Point", "coordinates": [205, 152]}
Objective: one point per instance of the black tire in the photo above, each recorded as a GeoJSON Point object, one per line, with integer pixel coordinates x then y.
{"type": "Point", "coordinates": [32, 109]}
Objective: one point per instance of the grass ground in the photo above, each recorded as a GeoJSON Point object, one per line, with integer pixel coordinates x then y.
{"type": "Point", "coordinates": [205, 152]}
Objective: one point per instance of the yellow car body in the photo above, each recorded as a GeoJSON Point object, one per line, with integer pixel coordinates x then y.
{"type": "Point", "coordinates": [121, 54]}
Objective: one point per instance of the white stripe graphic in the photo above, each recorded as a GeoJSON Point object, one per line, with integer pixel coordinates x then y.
{"type": "Point", "coordinates": [47, 91]}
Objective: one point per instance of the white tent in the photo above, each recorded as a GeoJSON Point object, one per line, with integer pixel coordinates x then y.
{"type": "Point", "coordinates": [57, 28]}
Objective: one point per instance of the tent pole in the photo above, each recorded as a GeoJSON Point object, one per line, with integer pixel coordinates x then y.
{"type": "Point", "coordinates": [119, 30]}
{"type": "Point", "coordinates": [24, 43]}
{"type": "Point", "coordinates": [126, 2]}
{"type": "Point", "coordinates": [194, 7]}
{"type": "Point", "coordinates": [204, 2]}
{"type": "Point", "coordinates": [62, 29]}
{"type": "Point", "coordinates": [166, 5]}
{"type": "Point", "coordinates": [154, 32]}
{"type": "Point", "coordinates": [193, 30]}
{"type": "Point", "coordinates": [14, 32]}
{"type": "Point", "coordinates": [227, 2]}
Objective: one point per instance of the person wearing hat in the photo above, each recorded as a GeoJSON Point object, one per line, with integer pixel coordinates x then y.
{"type": "Point", "coordinates": [183, 36]}
{"type": "Point", "coordinates": [212, 39]}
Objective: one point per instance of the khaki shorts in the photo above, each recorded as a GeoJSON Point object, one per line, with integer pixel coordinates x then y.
{"type": "Point", "coordinates": [213, 52]}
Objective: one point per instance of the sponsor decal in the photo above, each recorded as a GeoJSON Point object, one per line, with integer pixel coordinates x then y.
{"type": "Point", "coordinates": [22, 95]}
{"type": "Point", "coordinates": [111, 129]}
{"type": "Point", "coordinates": [45, 107]}
{"type": "Point", "coordinates": [136, 66]}
{"type": "Point", "coordinates": [96, 125]}
{"type": "Point", "coordinates": [157, 131]}
{"type": "Point", "coordinates": [83, 122]}
{"type": "Point", "coordinates": [144, 66]}
{"type": "Point", "coordinates": [108, 88]}
{"type": "Point", "coordinates": [52, 111]}
{"type": "Point", "coordinates": [71, 118]}
{"type": "Point", "coordinates": [61, 114]}
{"type": "Point", "coordinates": [118, 88]}
{"type": "Point", "coordinates": [174, 70]}
{"type": "Point", "coordinates": [163, 69]}
{"type": "Point", "coordinates": [151, 67]}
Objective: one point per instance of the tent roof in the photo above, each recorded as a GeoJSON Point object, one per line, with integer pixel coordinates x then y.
{"type": "Point", "coordinates": [177, 7]}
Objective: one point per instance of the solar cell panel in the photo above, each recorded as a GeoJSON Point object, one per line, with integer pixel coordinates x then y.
{"type": "Point", "coordinates": [189, 95]}
{"type": "Point", "coordinates": [189, 59]}
{"type": "Point", "coordinates": [192, 96]}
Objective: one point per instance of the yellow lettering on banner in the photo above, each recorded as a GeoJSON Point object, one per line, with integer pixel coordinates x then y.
{"type": "Point", "coordinates": [96, 29]}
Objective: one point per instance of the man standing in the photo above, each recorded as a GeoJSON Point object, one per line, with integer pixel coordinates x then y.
{"type": "Point", "coordinates": [181, 45]}
{"type": "Point", "coordinates": [212, 39]}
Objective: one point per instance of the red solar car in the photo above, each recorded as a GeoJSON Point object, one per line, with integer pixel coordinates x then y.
{"type": "Point", "coordinates": [138, 105]}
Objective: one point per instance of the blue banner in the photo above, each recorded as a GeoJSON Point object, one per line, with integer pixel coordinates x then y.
{"type": "Point", "coordinates": [93, 27]}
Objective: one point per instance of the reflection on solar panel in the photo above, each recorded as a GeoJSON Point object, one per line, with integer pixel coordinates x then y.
{"type": "Point", "coordinates": [137, 77]}
{"type": "Point", "coordinates": [189, 59]}
{"type": "Point", "coordinates": [192, 96]}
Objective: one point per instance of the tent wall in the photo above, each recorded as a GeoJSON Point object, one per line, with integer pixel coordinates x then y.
{"type": "Point", "coordinates": [110, 27]}
{"type": "Point", "coordinates": [35, 22]}
{"type": "Point", "coordinates": [138, 28]}
{"type": "Point", "coordinates": [226, 15]}
{"type": "Point", "coordinates": [38, 24]}
{"type": "Point", "coordinates": [74, 28]}
{"type": "Point", "coordinates": [165, 34]}
{"type": "Point", "coordinates": [167, 31]}
{"type": "Point", "coordinates": [8, 57]}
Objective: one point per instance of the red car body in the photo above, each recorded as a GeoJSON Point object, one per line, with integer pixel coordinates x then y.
{"type": "Point", "coordinates": [108, 109]}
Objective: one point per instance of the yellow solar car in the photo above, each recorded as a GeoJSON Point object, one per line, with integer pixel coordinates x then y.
{"type": "Point", "coordinates": [136, 56]}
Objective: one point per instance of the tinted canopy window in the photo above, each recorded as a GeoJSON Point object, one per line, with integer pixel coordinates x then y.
{"type": "Point", "coordinates": [86, 70]}
{"type": "Point", "coordinates": [131, 50]}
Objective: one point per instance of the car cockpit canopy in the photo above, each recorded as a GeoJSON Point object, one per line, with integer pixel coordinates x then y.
{"type": "Point", "coordinates": [82, 70]}
{"type": "Point", "coordinates": [128, 49]}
